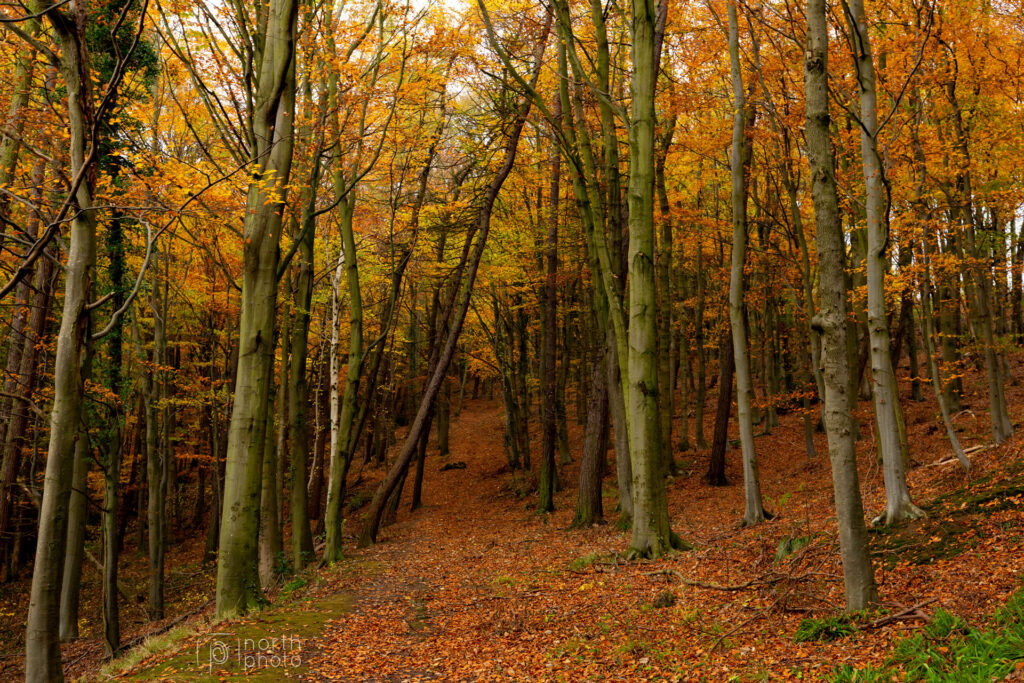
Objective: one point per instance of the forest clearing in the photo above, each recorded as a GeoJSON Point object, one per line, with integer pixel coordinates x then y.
{"type": "Point", "coordinates": [516, 340]}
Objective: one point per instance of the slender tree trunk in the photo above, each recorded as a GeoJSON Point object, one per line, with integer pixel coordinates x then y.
{"type": "Point", "coordinates": [982, 301]}
{"type": "Point", "coordinates": [720, 437]}
{"type": "Point", "coordinates": [10, 144]}
{"type": "Point", "coordinates": [74, 550]}
{"type": "Point", "coordinates": [549, 370]}
{"type": "Point", "coordinates": [698, 337]}
{"type": "Point", "coordinates": [740, 159]}
{"type": "Point", "coordinates": [115, 438]}
{"type": "Point", "coordinates": [341, 455]}
{"type": "Point", "coordinates": [927, 323]}
{"type": "Point", "coordinates": [899, 505]}
{"type": "Point", "coordinates": [832, 320]}
{"type": "Point", "coordinates": [620, 431]}
{"type": "Point", "coordinates": [270, 544]}
{"type": "Point", "coordinates": [298, 399]}
{"type": "Point", "coordinates": [42, 642]}
{"type": "Point", "coordinates": [156, 467]}
{"type": "Point", "coordinates": [589, 505]}
{"type": "Point", "coordinates": [666, 305]}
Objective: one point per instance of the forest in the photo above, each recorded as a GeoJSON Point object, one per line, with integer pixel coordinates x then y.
{"type": "Point", "coordinates": [505, 340]}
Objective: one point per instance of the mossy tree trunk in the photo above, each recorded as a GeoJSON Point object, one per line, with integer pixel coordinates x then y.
{"type": "Point", "coordinates": [271, 143]}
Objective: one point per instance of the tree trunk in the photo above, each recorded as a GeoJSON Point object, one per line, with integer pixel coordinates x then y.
{"type": "Point", "coordinates": [549, 370]}
{"type": "Point", "coordinates": [75, 541]}
{"type": "Point", "coordinates": [42, 643]}
{"type": "Point", "coordinates": [698, 337]}
{"type": "Point", "coordinates": [898, 504]}
{"type": "Point", "coordinates": [298, 395]}
{"type": "Point", "coordinates": [720, 437]}
{"type": "Point", "coordinates": [832, 320]}
{"type": "Point", "coordinates": [740, 161]}
{"type": "Point", "coordinates": [666, 305]}
{"type": "Point", "coordinates": [652, 533]}
{"type": "Point", "coordinates": [271, 146]}
{"type": "Point", "coordinates": [114, 437]}
{"type": "Point", "coordinates": [270, 544]}
{"type": "Point", "coordinates": [589, 505]}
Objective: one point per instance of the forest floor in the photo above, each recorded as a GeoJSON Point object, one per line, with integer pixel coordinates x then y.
{"type": "Point", "coordinates": [478, 586]}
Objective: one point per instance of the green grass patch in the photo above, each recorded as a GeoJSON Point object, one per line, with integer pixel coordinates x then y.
{"type": "Point", "coordinates": [825, 630]}
{"type": "Point", "coordinates": [265, 646]}
{"type": "Point", "coordinates": [154, 645]}
{"type": "Point", "coordinates": [947, 649]}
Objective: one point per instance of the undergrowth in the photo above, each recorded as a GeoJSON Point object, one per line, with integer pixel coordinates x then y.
{"type": "Point", "coordinates": [948, 649]}
{"type": "Point", "coordinates": [824, 630]}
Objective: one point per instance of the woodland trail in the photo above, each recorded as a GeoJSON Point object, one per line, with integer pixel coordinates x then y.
{"type": "Point", "coordinates": [476, 586]}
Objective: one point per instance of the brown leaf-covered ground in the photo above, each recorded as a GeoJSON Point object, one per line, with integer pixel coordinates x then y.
{"type": "Point", "coordinates": [478, 586]}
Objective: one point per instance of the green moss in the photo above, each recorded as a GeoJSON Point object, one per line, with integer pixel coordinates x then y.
{"type": "Point", "coordinates": [954, 520]}
{"type": "Point", "coordinates": [581, 563]}
{"type": "Point", "coordinates": [246, 647]}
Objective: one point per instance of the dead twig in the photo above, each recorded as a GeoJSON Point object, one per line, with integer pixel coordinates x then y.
{"type": "Point", "coordinates": [711, 586]}
{"type": "Point", "coordinates": [913, 612]}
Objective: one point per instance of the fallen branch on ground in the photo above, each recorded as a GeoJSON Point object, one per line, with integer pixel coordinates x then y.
{"type": "Point", "coordinates": [912, 612]}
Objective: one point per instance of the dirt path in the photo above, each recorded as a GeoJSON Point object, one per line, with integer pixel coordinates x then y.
{"type": "Point", "coordinates": [478, 587]}
{"type": "Point", "coordinates": [446, 592]}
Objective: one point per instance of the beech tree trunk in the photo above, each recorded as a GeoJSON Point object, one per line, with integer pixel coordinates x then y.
{"type": "Point", "coordinates": [589, 505]}
{"type": "Point", "coordinates": [42, 642]}
{"type": "Point", "coordinates": [740, 160]}
{"type": "Point", "coordinates": [549, 370]}
{"type": "Point", "coordinates": [271, 142]}
{"type": "Point", "coordinates": [832, 320]}
{"type": "Point", "coordinates": [652, 533]}
{"type": "Point", "coordinates": [720, 437]}
{"type": "Point", "coordinates": [888, 416]}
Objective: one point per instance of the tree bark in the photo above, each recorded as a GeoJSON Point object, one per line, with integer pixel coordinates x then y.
{"type": "Point", "coordinates": [589, 505]}
{"type": "Point", "coordinates": [754, 512]}
{"type": "Point", "coordinates": [652, 533]}
{"type": "Point", "coordinates": [42, 643]}
{"type": "Point", "coordinates": [271, 144]}
{"type": "Point", "coordinates": [549, 370]}
{"type": "Point", "coordinates": [298, 396]}
{"type": "Point", "coordinates": [720, 437]}
{"type": "Point", "coordinates": [832, 321]}
{"type": "Point", "coordinates": [898, 504]}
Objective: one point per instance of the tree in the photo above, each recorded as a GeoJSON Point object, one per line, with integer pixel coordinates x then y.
{"type": "Point", "coordinates": [652, 534]}
{"type": "Point", "coordinates": [832, 320]}
{"type": "Point", "coordinates": [888, 416]}
{"type": "Point", "coordinates": [754, 512]}
{"type": "Point", "coordinates": [270, 145]}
